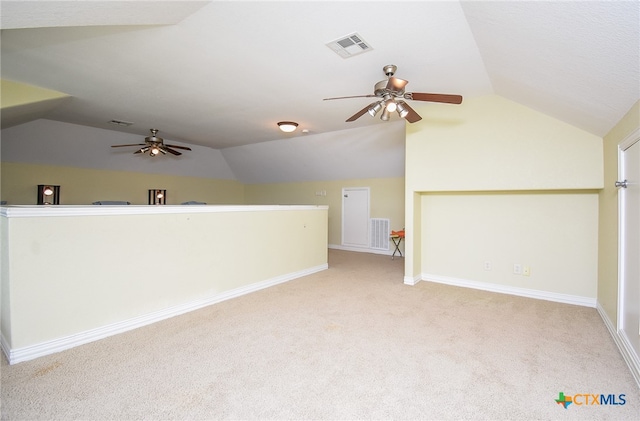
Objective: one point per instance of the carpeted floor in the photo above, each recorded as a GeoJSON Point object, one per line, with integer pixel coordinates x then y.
{"type": "Point", "coordinates": [351, 342]}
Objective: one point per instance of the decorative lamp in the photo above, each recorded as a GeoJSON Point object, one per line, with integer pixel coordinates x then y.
{"type": "Point", "coordinates": [48, 194]}
{"type": "Point", "coordinates": [157, 197]}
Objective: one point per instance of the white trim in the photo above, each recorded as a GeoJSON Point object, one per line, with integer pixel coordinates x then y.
{"type": "Point", "coordinates": [621, 341]}
{"type": "Point", "coordinates": [505, 289]}
{"type": "Point", "coordinates": [56, 345]}
{"type": "Point", "coordinates": [408, 280]}
{"type": "Point", "coordinates": [360, 249]}
{"type": "Point", "coordinates": [619, 335]}
{"type": "Point", "coordinates": [97, 210]}
{"type": "Point", "coordinates": [629, 140]}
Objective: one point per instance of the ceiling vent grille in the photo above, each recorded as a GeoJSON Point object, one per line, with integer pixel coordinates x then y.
{"type": "Point", "coordinates": [349, 46]}
{"type": "Point", "coordinates": [120, 122]}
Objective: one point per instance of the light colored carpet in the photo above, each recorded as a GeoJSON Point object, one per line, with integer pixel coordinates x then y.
{"type": "Point", "coordinates": [351, 342]}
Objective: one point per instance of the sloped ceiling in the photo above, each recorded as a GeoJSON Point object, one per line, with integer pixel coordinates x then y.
{"type": "Point", "coordinates": [222, 74]}
{"type": "Point", "coordinates": [576, 61]}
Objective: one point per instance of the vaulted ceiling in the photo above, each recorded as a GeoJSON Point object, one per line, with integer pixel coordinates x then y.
{"type": "Point", "coordinates": [223, 73]}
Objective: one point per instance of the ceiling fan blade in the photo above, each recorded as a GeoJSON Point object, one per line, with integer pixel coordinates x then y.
{"type": "Point", "coordinates": [446, 98]}
{"type": "Point", "coordinates": [355, 96]}
{"type": "Point", "coordinates": [179, 147]}
{"type": "Point", "coordinates": [134, 144]}
{"type": "Point", "coordinates": [396, 84]}
{"type": "Point", "coordinates": [171, 151]}
{"type": "Point", "coordinates": [413, 116]}
{"type": "Point", "coordinates": [360, 113]}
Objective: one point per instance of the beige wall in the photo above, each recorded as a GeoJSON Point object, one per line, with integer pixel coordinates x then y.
{"type": "Point", "coordinates": [553, 234]}
{"type": "Point", "coordinates": [82, 186]}
{"type": "Point", "coordinates": [386, 196]}
{"type": "Point", "coordinates": [15, 94]}
{"type": "Point", "coordinates": [513, 154]}
{"type": "Point", "coordinates": [141, 263]}
{"type": "Point", "coordinates": [608, 215]}
{"type": "Point", "coordinates": [491, 143]}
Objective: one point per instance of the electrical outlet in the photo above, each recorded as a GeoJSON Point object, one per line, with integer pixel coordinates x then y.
{"type": "Point", "coordinates": [487, 265]}
{"type": "Point", "coordinates": [517, 268]}
{"type": "Point", "coordinates": [526, 271]}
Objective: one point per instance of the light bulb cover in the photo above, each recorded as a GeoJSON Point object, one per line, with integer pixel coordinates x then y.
{"type": "Point", "coordinates": [287, 126]}
{"type": "Point", "coordinates": [402, 111]}
{"type": "Point", "coordinates": [391, 106]}
{"type": "Point", "coordinates": [374, 110]}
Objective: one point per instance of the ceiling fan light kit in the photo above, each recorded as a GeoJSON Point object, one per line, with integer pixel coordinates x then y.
{"type": "Point", "coordinates": [391, 94]}
{"type": "Point", "coordinates": [155, 145]}
{"type": "Point", "coordinates": [287, 126]}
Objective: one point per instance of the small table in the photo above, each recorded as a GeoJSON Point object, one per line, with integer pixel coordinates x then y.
{"type": "Point", "coordinates": [396, 237]}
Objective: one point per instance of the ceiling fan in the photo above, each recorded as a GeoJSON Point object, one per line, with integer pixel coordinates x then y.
{"type": "Point", "coordinates": [155, 145]}
{"type": "Point", "coordinates": [391, 96]}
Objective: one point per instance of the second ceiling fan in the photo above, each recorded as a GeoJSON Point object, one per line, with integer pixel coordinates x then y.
{"type": "Point", "coordinates": [391, 96]}
{"type": "Point", "coordinates": [155, 145]}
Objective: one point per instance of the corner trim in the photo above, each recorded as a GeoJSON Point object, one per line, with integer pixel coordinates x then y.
{"type": "Point", "coordinates": [408, 280]}
{"type": "Point", "coordinates": [503, 289]}
{"type": "Point", "coordinates": [60, 344]}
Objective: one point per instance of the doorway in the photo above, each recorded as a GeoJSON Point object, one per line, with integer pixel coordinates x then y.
{"type": "Point", "coordinates": [355, 216]}
{"type": "Point", "coordinates": [629, 235]}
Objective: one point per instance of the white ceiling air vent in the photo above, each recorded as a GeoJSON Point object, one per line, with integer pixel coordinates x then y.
{"type": "Point", "coordinates": [349, 46]}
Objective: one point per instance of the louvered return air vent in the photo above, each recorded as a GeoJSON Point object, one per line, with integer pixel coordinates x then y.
{"type": "Point", "coordinates": [349, 45]}
{"type": "Point", "coordinates": [379, 230]}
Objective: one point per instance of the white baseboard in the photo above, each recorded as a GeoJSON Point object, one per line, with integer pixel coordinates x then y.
{"type": "Point", "coordinates": [361, 249]}
{"type": "Point", "coordinates": [408, 280]}
{"type": "Point", "coordinates": [60, 344]}
{"type": "Point", "coordinates": [626, 350]}
{"type": "Point", "coordinates": [522, 292]}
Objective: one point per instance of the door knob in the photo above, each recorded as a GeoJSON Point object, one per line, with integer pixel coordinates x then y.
{"type": "Point", "coordinates": [622, 184]}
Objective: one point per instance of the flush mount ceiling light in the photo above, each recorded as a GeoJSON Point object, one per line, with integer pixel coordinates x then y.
{"type": "Point", "coordinates": [287, 126]}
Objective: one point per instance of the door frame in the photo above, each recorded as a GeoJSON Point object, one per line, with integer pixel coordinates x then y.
{"type": "Point", "coordinates": [629, 354]}
{"type": "Point", "coordinates": [625, 144]}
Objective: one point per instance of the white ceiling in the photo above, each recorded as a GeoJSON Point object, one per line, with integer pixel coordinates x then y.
{"type": "Point", "coordinates": [222, 73]}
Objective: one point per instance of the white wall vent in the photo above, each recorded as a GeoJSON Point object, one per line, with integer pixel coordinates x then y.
{"type": "Point", "coordinates": [379, 230]}
{"type": "Point", "coordinates": [349, 46]}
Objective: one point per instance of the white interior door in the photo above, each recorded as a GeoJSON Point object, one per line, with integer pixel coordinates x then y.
{"type": "Point", "coordinates": [629, 196]}
{"type": "Point", "coordinates": [355, 216]}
